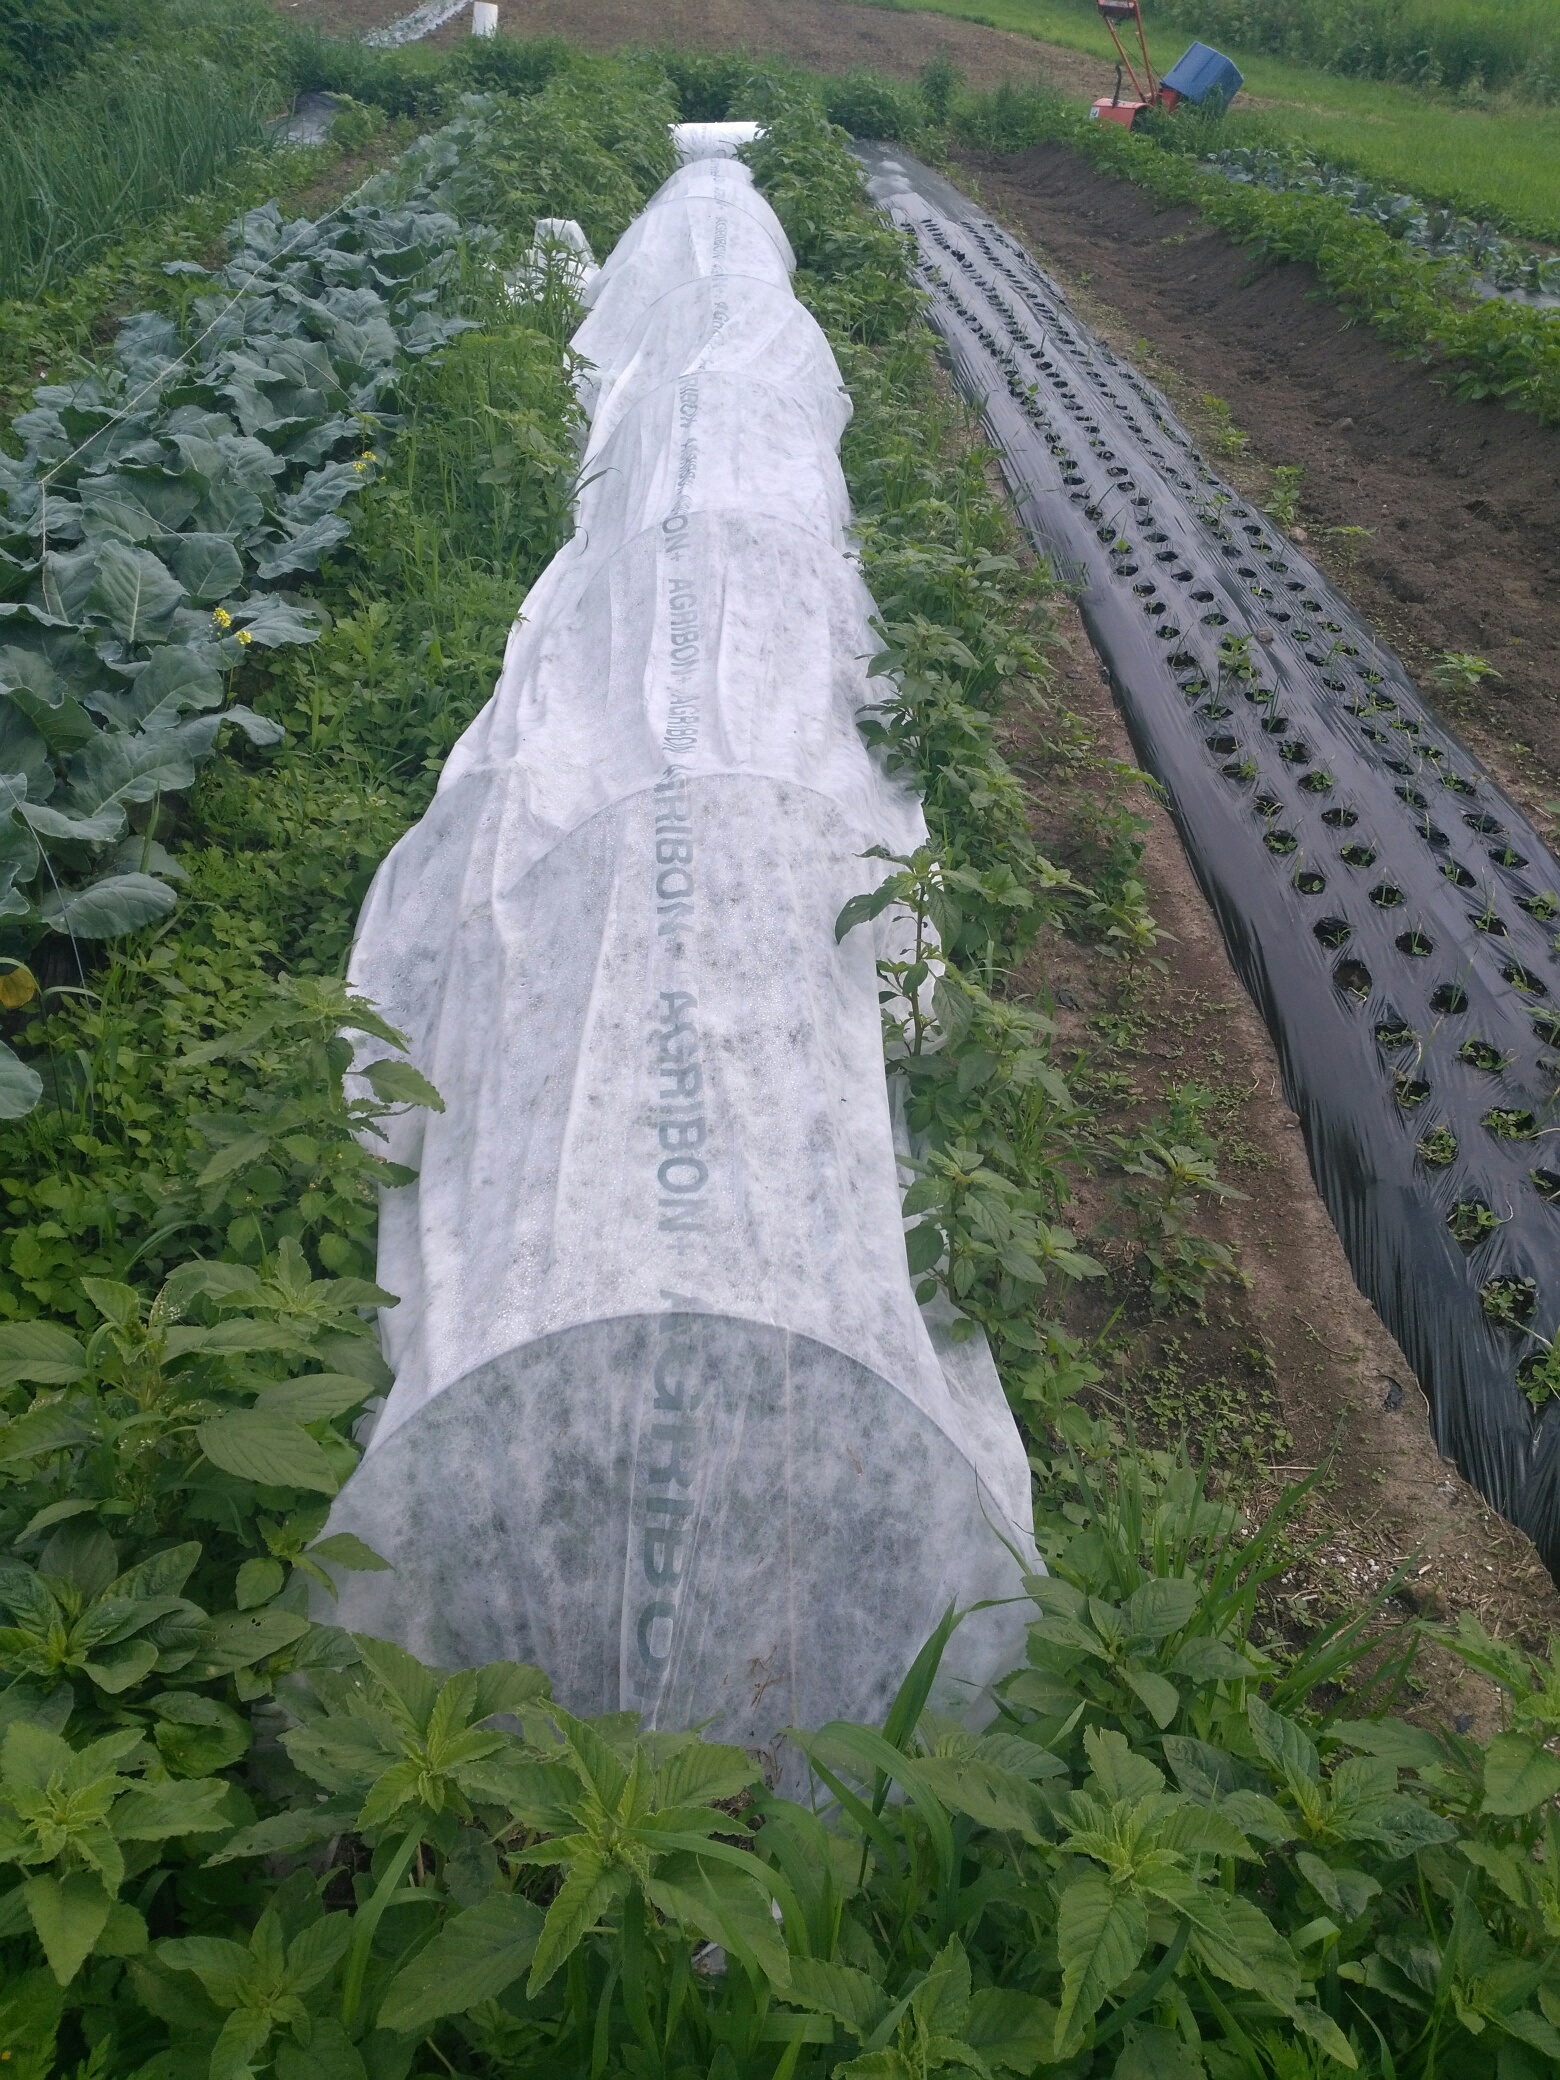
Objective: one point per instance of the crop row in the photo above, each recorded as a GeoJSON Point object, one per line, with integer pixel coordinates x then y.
{"type": "Point", "coordinates": [1492, 349]}
{"type": "Point", "coordinates": [149, 529]}
{"type": "Point", "coordinates": [1500, 262]}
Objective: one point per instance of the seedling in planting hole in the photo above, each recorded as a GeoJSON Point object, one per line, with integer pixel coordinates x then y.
{"type": "Point", "coordinates": [1509, 1301]}
{"type": "Point", "coordinates": [1539, 1376]}
{"type": "Point", "coordinates": [1460, 671]}
{"type": "Point", "coordinates": [1472, 1222]}
{"type": "Point", "coordinates": [1395, 1037]}
{"type": "Point", "coordinates": [1506, 1123]}
{"type": "Point", "coordinates": [1482, 1054]}
{"type": "Point", "coordinates": [1409, 1090]}
{"type": "Point", "coordinates": [1438, 1149]}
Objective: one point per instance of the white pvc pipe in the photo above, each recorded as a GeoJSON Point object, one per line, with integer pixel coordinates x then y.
{"type": "Point", "coordinates": [484, 18]}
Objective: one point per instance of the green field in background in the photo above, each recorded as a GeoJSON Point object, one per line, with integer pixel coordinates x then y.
{"type": "Point", "coordinates": [1505, 160]}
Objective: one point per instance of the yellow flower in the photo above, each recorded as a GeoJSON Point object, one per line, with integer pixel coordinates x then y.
{"type": "Point", "coordinates": [244, 636]}
{"type": "Point", "coordinates": [222, 617]}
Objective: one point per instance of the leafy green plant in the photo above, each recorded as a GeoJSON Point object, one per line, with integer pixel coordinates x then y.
{"type": "Point", "coordinates": [1172, 1165]}
{"type": "Point", "coordinates": [1228, 438]}
{"type": "Point", "coordinates": [1489, 348]}
{"type": "Point", "coordinates": [1459, 671]}
{"type": "Point", "coordinates": [1284, 497]}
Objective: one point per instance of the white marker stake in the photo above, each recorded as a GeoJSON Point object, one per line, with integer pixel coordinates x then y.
{"type": "Point", "coordinates": [484, 18]}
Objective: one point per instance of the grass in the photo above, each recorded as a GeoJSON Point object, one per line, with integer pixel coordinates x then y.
{"type": "Point", "coordinates": [1502, 161]}
{"type": "Point", "coordinates": [81, 165]}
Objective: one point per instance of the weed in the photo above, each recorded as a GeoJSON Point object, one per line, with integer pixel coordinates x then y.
{"type": "Point", "coordinates": [1460, 671]}
{"type": "Point", "coordinates": [1284, 496]}
{"type": "Point", "coordinates": [1228, 438]}
{"type": "Point", "coordinates": [1172, 1160]}
{"type": "Point", "coordinates": [117, 144]}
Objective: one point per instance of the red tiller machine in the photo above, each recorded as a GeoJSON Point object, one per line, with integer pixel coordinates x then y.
{"type": "Point", "coordinates": [1200, 75]}
{"type": "Point", "coordinates": [1147, 92]}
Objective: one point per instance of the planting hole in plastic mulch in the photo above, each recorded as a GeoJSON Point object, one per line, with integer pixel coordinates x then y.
{"type": "Point", "coordinates": [1353, 978]}
{"type": "Point", "coordinates": [1509, 1301]}
{"type": "Point", "coordinates": [1415, 944]}
{"type": "Point", "coordinates": [1394, 1035]}
{"type": "Point", "coordinates": [1340, 819]}
{"type": "Point", "coordinates": [1519, 978]}
{"type": "Point", "coordinates": [1457, 875]}
{"type": "Point", "coordinates": [1409, 1090]}
{"type": "Point", "coordinates": [1281, 841]}
{"type": "Point", "coordinates": [1547, 1185]}
{"type": "Point", "coordinates": [1480, 1054]}
{"type": "Point", "coordinates": [1438, 1149]}
{"type": "Point", "coordinates": [1333, 932]}
{"type": "Point", "coordinates": [1386, 896]}
{"type": "Point", "coordinates": [1472, 1222]}
{"type": "Point", "coordinates": [1309, 882]}
{"type": "Point", "coordinates": [1358, 856]}
{"type": "Point", "coordinates": [1449, 998]}
{"type": "Point", "coordinates": [1539, 1377]}
{"type": "Point", "coordinates": [1508, 1123]}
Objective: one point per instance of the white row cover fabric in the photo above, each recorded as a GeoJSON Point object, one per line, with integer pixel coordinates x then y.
{"type": "Point", "coordinates": [559, 249]}
{"type": "Point", "coordinates": [667, 1419]}
{"type": "Point", "coordinates": [713, 140]}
